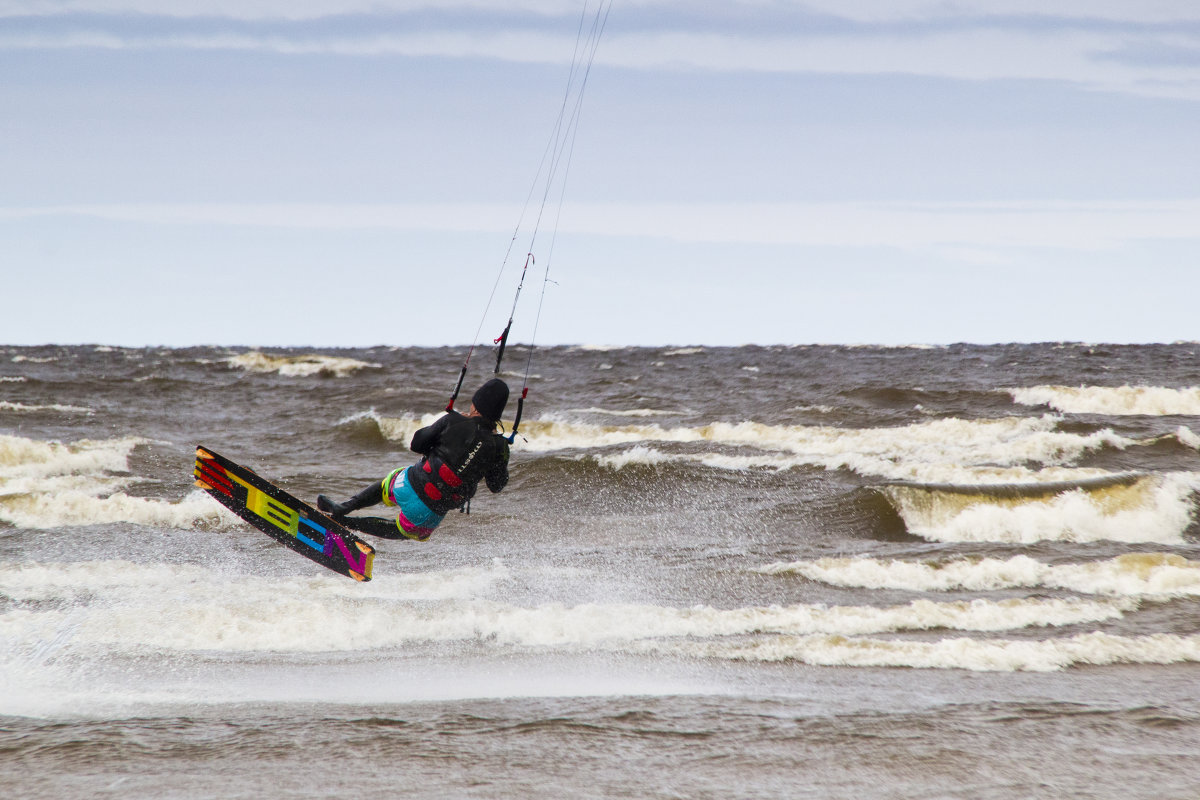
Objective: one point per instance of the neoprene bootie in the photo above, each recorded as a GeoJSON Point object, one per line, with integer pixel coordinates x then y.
{"type": "Point", "coordinates": [367, 497]}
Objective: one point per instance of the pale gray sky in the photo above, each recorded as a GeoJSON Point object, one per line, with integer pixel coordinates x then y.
{"type": "Point", "coordinates": [350, 172]}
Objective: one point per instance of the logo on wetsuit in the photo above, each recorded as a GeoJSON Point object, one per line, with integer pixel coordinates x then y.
{"type": "Point", "coordinates": [471, 455]}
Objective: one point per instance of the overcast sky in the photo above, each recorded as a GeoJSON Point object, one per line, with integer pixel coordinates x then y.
{"type": "Point", "coordinates": [351, 172]}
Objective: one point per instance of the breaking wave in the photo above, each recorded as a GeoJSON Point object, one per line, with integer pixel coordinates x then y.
{"type": "Point", "coordinates": [299, 366]}
{"type": "Point", "coordinates": [109, 607]}
{"type": "Point", "coordinates": [1157, 576]}
{"type": "Point", "coordinates": [1120, 400]}
{"type": "Point", "coordinates": [939, 451]}
{"type": "Point", "coordinates": [981, 655]}
{"type": "Point", "coordinates": [1009, 480]}
{"type": "Point", "coordinates": [50, 484]}
{"type": "Point", "coordinates": [1155, 509]}
{"type": "Point", "coordinates": [30, 458]}
{"type": "Point", "coordinates": [77, 507]}
{"type": "Point", "coordinates": [635, 412]}
{"type": "Point", "coordinates": [189, 608]}
{"type": "Point", "coordinates": [6, 405]}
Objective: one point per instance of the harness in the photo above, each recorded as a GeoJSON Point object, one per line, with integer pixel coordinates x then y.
{"type": "Point", "coordinates": [447, 478]}
{"type": "Point", "coordinates": [442, 483]}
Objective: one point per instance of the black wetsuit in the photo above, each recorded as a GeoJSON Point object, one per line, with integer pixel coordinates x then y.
{"type": "Point", "coordinates": [458, 451]}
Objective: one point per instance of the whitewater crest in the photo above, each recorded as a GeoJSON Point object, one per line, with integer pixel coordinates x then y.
{"type": "Point", "coordinates": [1008, 480]}
{"type": "Point", "coordinates": [7, 405]}
{"type": "Point", "coordinates": [634, 412]}
{"type": "Point", "coordinates": [1154, 576]}
{"type": "Point", "coordinates": [395, 429]}
{"type": "Point", "coordinates": [107, 608]}
{"type": "Point", "coordinates": [1117, 401]}
{"type": "Point", "coordinates": [1152, 509]}
{"type": "Point", "coordinates": [30, 458]}
{"type": "Point", "coordinates": [299, 365]}
{"type": "Point", "coordinates": [47, 485]}
{"type": "Point", "coordinates": [937, 451]}
{"type": "Point", "coordinates": [980, 655]}
{"type": "Point", "coordinates": [132, 607]}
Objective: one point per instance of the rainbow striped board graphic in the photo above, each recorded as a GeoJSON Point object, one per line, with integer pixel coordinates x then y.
{"type": "Point", "coordinates": [282, 517]}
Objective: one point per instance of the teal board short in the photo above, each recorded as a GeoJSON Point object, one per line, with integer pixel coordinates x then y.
{"type": "Point", "coordinates": [414, 519]}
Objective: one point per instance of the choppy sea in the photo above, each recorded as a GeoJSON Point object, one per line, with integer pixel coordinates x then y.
{"type": "Point", "coordinates": [753, 572]}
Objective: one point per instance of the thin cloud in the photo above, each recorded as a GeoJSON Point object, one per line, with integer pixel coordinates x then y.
{"type": "Point", "coordinates": [1078, 57]}
{"type": "Point", "coordinates": [283, 10]}
{"type": "Point", "coordinates": [1101, 58]}
{"type": "Point", "coordinates": [976, 226]}
{"type": "Point", "coordinates": [1146, 12]}
{"type": "Point", "coordinates": [514, 46]}
{"type": "Point", "coordinates": [862, 11]}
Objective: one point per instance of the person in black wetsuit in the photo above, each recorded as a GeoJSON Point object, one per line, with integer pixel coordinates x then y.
{"type": "Point", "coordinates": [458, 452]}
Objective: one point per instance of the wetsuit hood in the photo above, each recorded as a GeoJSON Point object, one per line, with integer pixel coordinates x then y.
{"type": "Point", "coordinates": [490, 399]}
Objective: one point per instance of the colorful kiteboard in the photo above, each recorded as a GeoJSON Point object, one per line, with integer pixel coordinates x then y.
{"type": "Point", "coordinates": [282, 517]}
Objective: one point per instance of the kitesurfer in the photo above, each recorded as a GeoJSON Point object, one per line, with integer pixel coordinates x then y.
{"type": "Point", "coordinates": [458, 452]}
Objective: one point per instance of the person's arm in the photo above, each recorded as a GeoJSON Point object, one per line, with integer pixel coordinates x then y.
{"type": "Point", "coordinates": [497, 476]}
{"type": "Point", "coordinates": [423, 441]}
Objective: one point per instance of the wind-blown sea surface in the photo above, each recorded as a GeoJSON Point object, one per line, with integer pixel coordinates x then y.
{"type": "Point", "coordinates": [843, 572]}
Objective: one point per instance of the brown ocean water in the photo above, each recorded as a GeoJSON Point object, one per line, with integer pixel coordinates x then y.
{"type": "Point", "coordinates": [952, 572]}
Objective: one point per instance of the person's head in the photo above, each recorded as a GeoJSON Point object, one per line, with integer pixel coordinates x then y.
{"type": "Point", "coordinates": [490, 399]}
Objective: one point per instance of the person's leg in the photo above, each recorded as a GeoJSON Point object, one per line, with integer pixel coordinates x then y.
{"type": "Point", "coordinates": [414, 519]}
{"type": "Point", "coordinates": [376, 526]}
{"type": "Point", "coordinates": [367, 497]}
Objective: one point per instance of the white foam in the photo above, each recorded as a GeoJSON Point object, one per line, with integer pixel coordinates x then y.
{"type": "Point", "coordinates": [962, 453]}
{"type": "Point", "coordinates": [131, 607]}
{"type": "Point", "coordinates": [52, 484]}
{"type": "Point", "coordinates": [1188, 439]}
{"type": "Point", "coordinates": [938, 451]}
{"type": "Point", "coordinates": [818, 408]}
{"type": "Point", "coordinates": [125, 583]}
{"type": "Point", "coordinates": [636, 412]}
{"type": "Point", "coordinates": [550, 434]}
{"type": "Point", "coordinates": [58, 509]}
{"type": "Point", "coordinates": [1157, 576]}
{"type": "Point", "coordinates": [883, 347]}
{"type": "Point", "coordinates": [1007, 655]}
{"type": "Point", "coordinates": [115, 607]}
{"type": "Point", "coordinates": [21, 457]}
{"type": "Point", "coordinates": [92, 485]}
{"type": "Point", "coordinates": [645, 456]}
{"type": "Point", "coordinates": [991, 450]}
{"type": "Point", "coordinates": [946, 450]}
{"type": "Point", "coordinates": [299, 366]}
{"type": "Point", "coordinates": [1120, 400]}
{"type": "Point", "coordinates": [13, 379]}
{"type": "Point", "coordinates": [6, 405]}
{"type": "Point", "coordinates": [1156, 509]}
{"type": "Point", "coordinates": [99, 609]}
{"type": "Point", "coordinates": [595, 625]}
{"type": "Point", "coordinates": [401, 429]}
